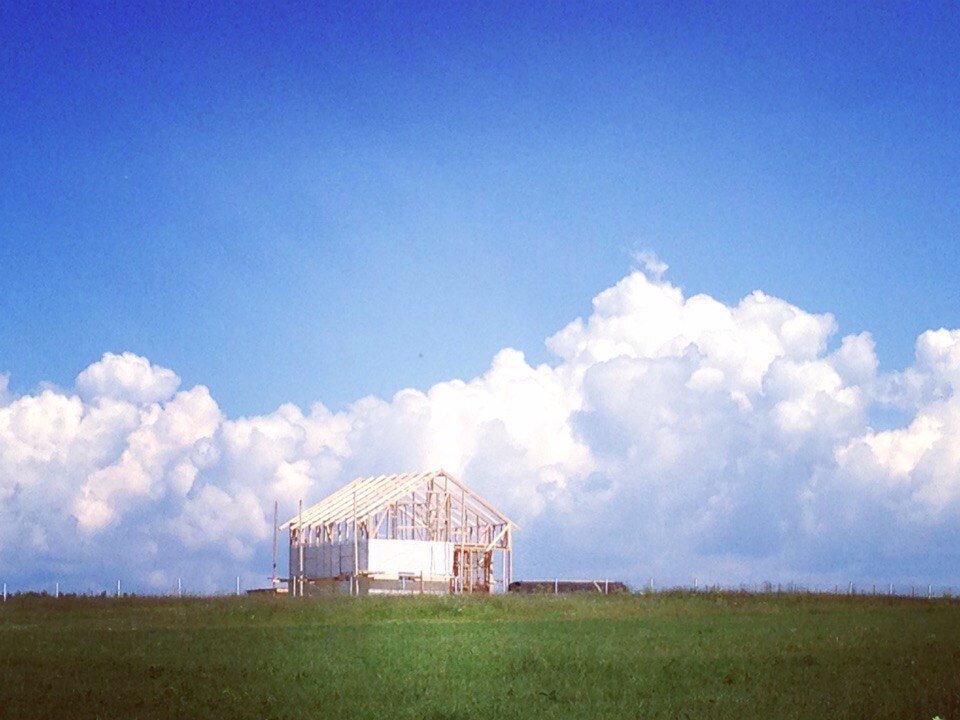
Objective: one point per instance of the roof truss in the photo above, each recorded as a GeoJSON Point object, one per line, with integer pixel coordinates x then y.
{"type": "Point", "coordinates": [418, 505]}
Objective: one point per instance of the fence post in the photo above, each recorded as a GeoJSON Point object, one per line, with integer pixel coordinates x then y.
{"type": "Point", "coordinates": [651, 585]}
{"type": "Point", "coordinates": [238, 586]}
{"type": "Point", "coordinates": [179, 589]}
{"type": "Point", "coordinates": [118, 588]}
{"type": "Point", "coordinates": [891, 589]}
{"type": "Point", "coordinates": [56, 592]}
{"type": "Point", "coordinates": [606, 587]}
{"type": "Point", "coordinates": [4, 592]}
{"type": "Point", "coordinates": [556, 586]}
{"type": "Point", "coordinates": [929, 592]}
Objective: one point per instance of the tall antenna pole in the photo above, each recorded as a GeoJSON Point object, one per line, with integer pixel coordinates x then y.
{"type": "Point", "coordinates": [275, 579]}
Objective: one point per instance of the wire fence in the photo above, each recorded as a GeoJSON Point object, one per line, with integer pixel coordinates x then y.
{"type": "Point", "coordinates": [930, 591]}
{"type": "Point", "coordinates": [849, 588]}
{"type": "Point", "coordinates": [180, 590]}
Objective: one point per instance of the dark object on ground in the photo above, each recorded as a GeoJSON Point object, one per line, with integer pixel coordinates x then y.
{"type": "Point", "coordinates": [568, 586]}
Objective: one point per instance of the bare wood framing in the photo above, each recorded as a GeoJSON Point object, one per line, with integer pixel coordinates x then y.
{"type": "Point", "coordinates": [421, 506]}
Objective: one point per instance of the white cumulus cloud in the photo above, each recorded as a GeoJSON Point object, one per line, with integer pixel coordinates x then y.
{"type": "Point", "coordinates": [127, 377]}
{"type": "Point", "coordinates": [671, 436]}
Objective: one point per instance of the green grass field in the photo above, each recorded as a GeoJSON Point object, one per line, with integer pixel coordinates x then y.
{"type": "Point", "coordinates": [670, 656]}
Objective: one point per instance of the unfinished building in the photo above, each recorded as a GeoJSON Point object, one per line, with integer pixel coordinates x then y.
{"type": "Point", "coordinates": [407, 533]}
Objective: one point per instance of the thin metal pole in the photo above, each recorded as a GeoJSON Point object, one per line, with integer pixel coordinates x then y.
{"type": "Point", "coordinates": [274, 580]}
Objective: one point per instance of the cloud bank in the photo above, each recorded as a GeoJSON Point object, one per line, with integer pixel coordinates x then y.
{"type": "Point", "coordinates": [674, 437]}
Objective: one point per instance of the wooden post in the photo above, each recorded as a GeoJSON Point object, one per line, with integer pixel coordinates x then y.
{"type": "Point", "coordinates": [356, 546]}
{"type": "Point", "coordinates": [510, 556]}
{"type": "Point", "coordinates": [506, 587]}
{"type": "Point", "coordinates": [463, 531]}
{"type": "Point", "coordinates": [300, 544]}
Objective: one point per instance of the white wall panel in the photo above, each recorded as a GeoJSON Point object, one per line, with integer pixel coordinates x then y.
{"type": "Point", "coordinates": [390, 557]}
{"type": "Point", "coordinates": [410, 556]}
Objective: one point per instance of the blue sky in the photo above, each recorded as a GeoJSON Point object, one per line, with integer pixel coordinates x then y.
{"type": "Point", "coordinates": [316, 203]}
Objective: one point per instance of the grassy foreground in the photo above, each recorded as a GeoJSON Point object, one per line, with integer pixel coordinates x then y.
{"type": "Point", "coordinates": [673, 656]}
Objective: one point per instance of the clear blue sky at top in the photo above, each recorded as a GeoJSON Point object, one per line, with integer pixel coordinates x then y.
{"type": "Point", "coordinates": [316, 202]}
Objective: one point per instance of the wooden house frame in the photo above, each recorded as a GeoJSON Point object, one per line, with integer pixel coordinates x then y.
{"type": "Point", "coordinates": [363, 533]}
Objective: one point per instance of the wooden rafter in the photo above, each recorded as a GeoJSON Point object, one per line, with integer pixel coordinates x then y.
{"type": "Point", "coordinates": [432, 504]}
